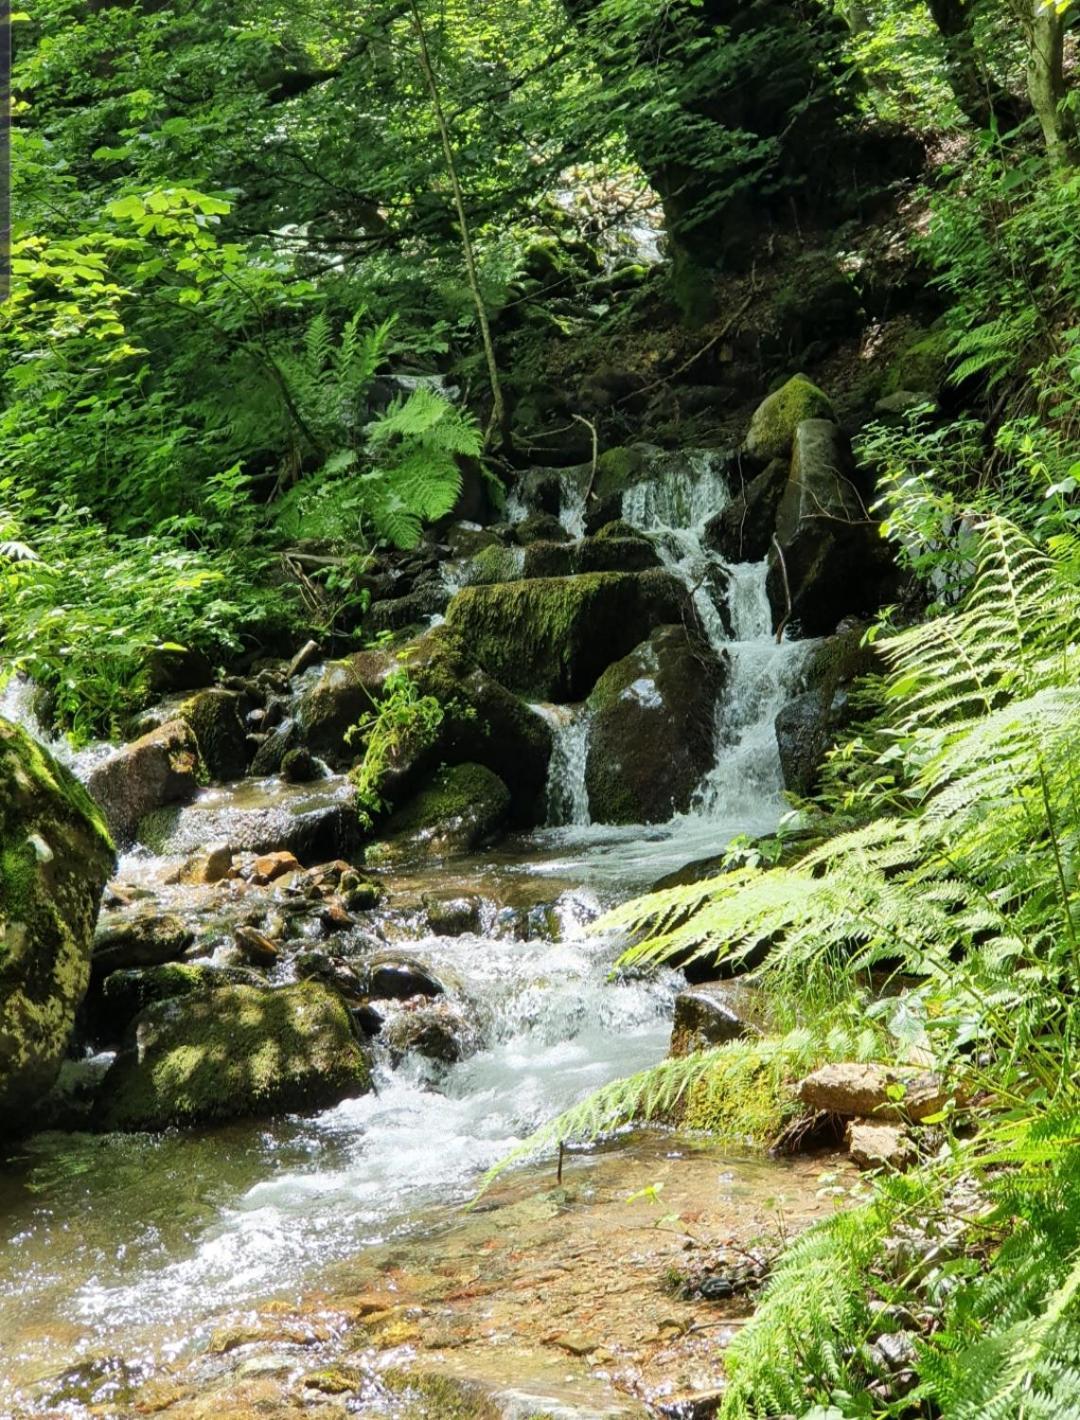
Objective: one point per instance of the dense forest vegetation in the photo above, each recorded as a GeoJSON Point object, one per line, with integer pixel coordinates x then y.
{"type": "Point", "coordinates": [293, 284]}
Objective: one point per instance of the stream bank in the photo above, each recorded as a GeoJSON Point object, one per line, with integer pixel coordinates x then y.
{"type": "Point", "coordinates": [610, 685]}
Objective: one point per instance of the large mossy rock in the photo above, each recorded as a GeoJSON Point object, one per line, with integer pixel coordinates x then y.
{"type": "Point", "coordinates": [833, 561]}
{"type": "Point", "coordinates": [772, 428]}
{"type": "Point", "coordinates": [155, 770]}
{"type": "Point", "coordinates": [55, 858]}
{"type": "Point", "coordinates": [550, 638]}
{"type": "Point", "coordinates": [233, 1053]}
{"type": "Point", "coordinates": [651, 736]}
{"type": "Point", "coordinates": [216, 722]}
{"type": "Point", "coordinates": [483, 722]}
{"type": "Point", "coordinates": [463, 807]}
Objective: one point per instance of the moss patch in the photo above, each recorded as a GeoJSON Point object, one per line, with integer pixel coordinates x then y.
{"type": "Point", "coordinates": [461, 808]}
{"type": "Point", "coordinates": [55, 856]}
{"type": "Point", "coordinates": [551, 637]}
{"type": "Point", "coordinates": [921, 365]}
{"type": "Point", "coordinates": [214, 717]}
{"type": "Point", "coordinates": [234, 1053]}
{"type": "Point", "coordinates": [772, 429]}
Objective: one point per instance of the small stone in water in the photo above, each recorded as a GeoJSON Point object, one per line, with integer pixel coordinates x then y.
{"type": "Point", "coordinates": [255, 946]}
{"type": "Point", "coordinates": [270, 866]}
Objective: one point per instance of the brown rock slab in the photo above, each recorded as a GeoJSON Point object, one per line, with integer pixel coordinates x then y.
{"type": "Point", "coordinates": [878, 1092]}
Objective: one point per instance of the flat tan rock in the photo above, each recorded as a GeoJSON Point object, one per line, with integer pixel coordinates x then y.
{"type": "Point", "coordinates": [871, 1091]}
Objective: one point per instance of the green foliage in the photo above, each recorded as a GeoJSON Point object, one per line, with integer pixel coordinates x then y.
{"type": "Point", "coordinates": [400, 726]}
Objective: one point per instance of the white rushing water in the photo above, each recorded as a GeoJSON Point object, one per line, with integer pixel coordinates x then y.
{"type": "Point", "coordinates": [567, 796]}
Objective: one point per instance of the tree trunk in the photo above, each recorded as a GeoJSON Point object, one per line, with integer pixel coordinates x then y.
{"type": "Point", "coordinates": [499, 418]}
{"type": "Point", "coordinates": [979, 98]}
{"type": "Point", "coordinates": [1045, 30]}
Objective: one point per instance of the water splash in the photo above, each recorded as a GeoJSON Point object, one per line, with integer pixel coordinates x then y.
{"type": "Point", "coordinates": [573, 497]}
{"type": "Point", "coordinates": [18, 699]}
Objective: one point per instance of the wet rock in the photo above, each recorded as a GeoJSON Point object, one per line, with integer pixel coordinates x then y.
{"type": "Point", "coordinates": [438, 1030]}
{"type": "Point", "coordinates": [424, 601]}
{"type": "Point", "coordinates": [832, 561]}
{"type": "Point", "coordinates": [715, 1012]}
{"type": "Point", "coordinates": [878, 1092]}
{"type": "Point", "coordinates": [218, 725]}
{"type": "Point", "coordinates": [344, 692]}
{"type": "Point", "coordinates": [550, 638]}
{"type": "Point", "coordinates": [205, 869]}
{"type": "Point", "coordinates": [498, 563]}
{"type": "Point", "coordinates": [270, 866]}
{"type": "Point", "coordinates": [540, 527]}
{"type": "Point", "coordinates": [55, 858]}
{"type": "Point", "coordinates": [651, 737]}
{"type": "Point", "coordinates": [299, 766]}
{"type": "Point", "coordinates": [454, 916]}
{"type": "Point", "coordinates": [280, 739]}
{"type": "Point", "coordinates": [880, 1146]}
{"type": "Point", "coordinates": [255, 946]}
{"type": "Point", "coordinates": [69, 1105]}
{"type": "Point", "coordinates": [158, 768]}
{"type": "Point", "coordinates": [399, 978]}
{"type": "Point", "coordinates": [340, 975]}
{"type": "Point", "coordinates": [742, 532]}
{"type": "Point", "coordinates": [233, 1053]}
{"type": "Point", "coordinates": [772, 428]}
{"type": "Point", "coordinates": [463, 807]}
{"type": "Point", "coordinates": [123, 994]}
{"type": "Point", "coordinates": [812, 722]}
{"type": "Point", "coordinates": [139, 938]}
{"type": "Point", "coordinates": [315, 822]}
{"type": "Point", "coordinates": [467, 539]}
{"type": "Point", "coordinates": [359, 893]}
{"type": "Point", "coordinates": [591, 554]}
{"type": "Point", "coordinates": [483, 722]}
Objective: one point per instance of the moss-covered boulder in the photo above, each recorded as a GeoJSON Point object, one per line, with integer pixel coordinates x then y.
{"type": "Point", "coordinates": [590, 554]}
{"type": "Point", "coordinates": [540, 527]}
{"type": "Point", "coordinates": [233, 1053]}
{"type": "Point", "coordinates": [651, 738]}
{"type": "Point", "coordinates": [495, 564]}
{"type": "Point", "coordinates": [550, 638]}
{"type": "Point", "coordinates": [123, 994]}
{"type": "Point", "coordinates": [772, 428]}
{"type": "Point", "coordinates": [55, 857]}
{"type": "Point", "coordinates": [158, 768]}
{"type": "Point", "coordinates": [831, 560]}
{"type": "Point", "coordinates": [920, 365]}
{"type": "Point", "coordinates": [218, 727]}
{"type": "Point", "coordinates": [463, 807]}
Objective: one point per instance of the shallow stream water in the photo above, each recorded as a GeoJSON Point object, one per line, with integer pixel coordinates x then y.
{"type": "Point", "coordinates": [137, 1244]}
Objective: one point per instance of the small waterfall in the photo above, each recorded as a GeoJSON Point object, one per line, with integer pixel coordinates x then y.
{"type": "Point", "coordinates": [762, 676]}
{"type": "Point", "coordinates": [17, 699]}
{"type": "Point", "coordinates": [567, 797]}
{"type": "Point", "coordinates": [573, 496]}
{"type": "Point", "coordinates": [674, 508]}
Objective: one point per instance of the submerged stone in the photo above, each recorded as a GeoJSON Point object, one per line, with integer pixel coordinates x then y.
{"type": "Point", "coordinates": [55, 857]}
{"type": "Point", "coordinates": [233, 1053]}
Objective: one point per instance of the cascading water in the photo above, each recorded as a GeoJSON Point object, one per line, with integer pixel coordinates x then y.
{"type": "Point", "coordinates": [236, 1216]}
{"type": "Point", "coordinates": [567, 796]}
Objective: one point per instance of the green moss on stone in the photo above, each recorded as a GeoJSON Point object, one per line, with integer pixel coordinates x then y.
{"type": "Point", "coordinates": [549, 638]}
{"type": "Point", "coordinates": [214, 717]}
{"type": "Point", "coordinates": [617, 470]}
{"type": "Point", "coordinates": [495, 564]}
{"type": "Point", "coordinates": [772, 429]}
{"type": "Point", "coordinates": [55, 856]}
{"type": "Point", "coordinates": [453, 793]}
{"type": "Point", "coordinates": [234, 1053]}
